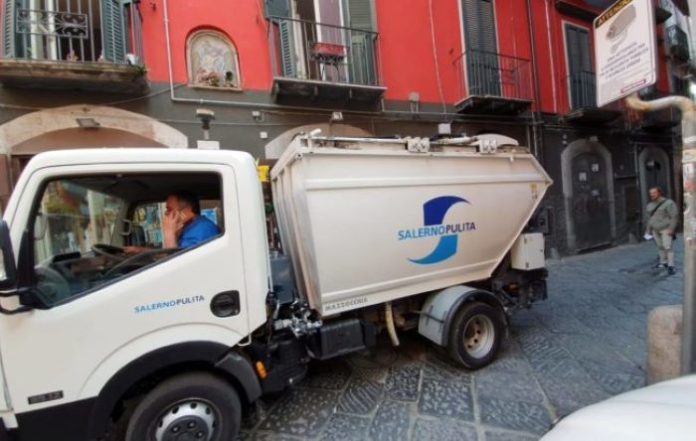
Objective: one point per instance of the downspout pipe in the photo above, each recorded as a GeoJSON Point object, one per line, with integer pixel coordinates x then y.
{"type": "Point", "coordinates": [536, 115]}
{"type": "Point", "coordinates": [688, 130]}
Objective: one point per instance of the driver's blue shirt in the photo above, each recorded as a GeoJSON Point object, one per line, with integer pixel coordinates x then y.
{"type": "Point", "coordinates": [198, 230]}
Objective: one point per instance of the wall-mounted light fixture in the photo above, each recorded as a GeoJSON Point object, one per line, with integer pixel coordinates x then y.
{"type": "Point", "coordinates": [87, 123]}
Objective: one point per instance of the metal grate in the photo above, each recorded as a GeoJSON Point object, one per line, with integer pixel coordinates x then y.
{"type": "Point", "coordinates": [72, 30]}
{"type": "Point", "coordinates": [307, 50]}
{"type": "Point", "coordinates": [484, 73]}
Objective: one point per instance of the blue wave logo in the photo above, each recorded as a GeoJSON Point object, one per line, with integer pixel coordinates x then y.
{"type": "Point", "coordinates": [434, 212]}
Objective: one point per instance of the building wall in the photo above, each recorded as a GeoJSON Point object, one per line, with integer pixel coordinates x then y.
{"type": "Point", "coordinates": [419, 50]}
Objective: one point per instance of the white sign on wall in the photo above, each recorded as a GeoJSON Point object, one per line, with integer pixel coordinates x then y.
{"type": "Point", "coordinates": [625, 49]}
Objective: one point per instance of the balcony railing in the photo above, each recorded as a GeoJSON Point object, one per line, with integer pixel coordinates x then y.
{"type": "Point", "coordinates": [582, 90]}
{"type": "Point", "coordinates": [582, 101]}
{"type": "Point", "coordinates": [309, 51]}
{"type": "Point", "coordinates": [678, 44]}
{"type": "Point", "coordinates": [78, 31]}
{"type": "Point", "coordinates": [492, 74]}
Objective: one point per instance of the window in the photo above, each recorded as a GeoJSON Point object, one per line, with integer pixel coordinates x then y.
{"type": "Point", "coordinates": [89, 231]}
{"type": "Point", "coordinates": [581, 76]}
{"type": "Point", "coordinates": [212, 61]}
{"type": "Point", "coordinates": [481, 47]}
{"type": "Point", "coordinates": [324, 40]}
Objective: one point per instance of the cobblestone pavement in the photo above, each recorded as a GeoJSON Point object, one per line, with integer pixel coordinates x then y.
{"type": "Point", "coordinates": [584, 344]}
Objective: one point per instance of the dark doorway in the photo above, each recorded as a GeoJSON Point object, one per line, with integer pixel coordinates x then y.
{"type": "Point", "coordinates": [590, 201]}
{"type": "Point", "coordinates": [655, 171]}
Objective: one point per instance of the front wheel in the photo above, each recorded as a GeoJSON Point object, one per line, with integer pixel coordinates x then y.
{"type": "Point", "coordinates": [198, 406]}
{"type": "Point", "coordinates": [476, 335]}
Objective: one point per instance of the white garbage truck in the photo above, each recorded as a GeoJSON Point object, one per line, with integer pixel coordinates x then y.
{"type": "Point", "coordinates": [359, 237]}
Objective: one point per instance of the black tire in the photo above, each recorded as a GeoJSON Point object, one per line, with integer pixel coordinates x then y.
{"type": "Point", "coordinates": [187, 402]}
{"type": "Point", "coordinates": [476, 334]}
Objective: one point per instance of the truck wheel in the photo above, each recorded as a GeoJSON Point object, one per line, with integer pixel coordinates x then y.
{"type": "Point", "coordinates": [476, 334]}
{"type": "Point", "coordinates": [198, 406]}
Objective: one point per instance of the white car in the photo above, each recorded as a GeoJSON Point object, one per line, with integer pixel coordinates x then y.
{"type": "Point", "coordinates": [661, 412]}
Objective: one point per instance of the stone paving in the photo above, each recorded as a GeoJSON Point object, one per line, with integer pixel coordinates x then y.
{"type": "Point", "coordinates": [584, 344]}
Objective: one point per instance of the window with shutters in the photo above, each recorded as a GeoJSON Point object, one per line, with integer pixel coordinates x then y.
{"type": "Point", "coordinates": [324, 40]}
{"type": "Point", "coordinates": [106, 31]}
{"type": "Point", "coordinates": [491, 82]}
{"type": "Point", "coordinates": [481, 47]}
{"type": "Point", "coordinates": [581, 76]}
{"type": "Point", "coordinates": [212, 61]}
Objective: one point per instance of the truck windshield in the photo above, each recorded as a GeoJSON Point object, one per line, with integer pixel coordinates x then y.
{"type": "Point", "coordinates": [72, 218]}
{"type": "Point", "coordinates": [75, 225]}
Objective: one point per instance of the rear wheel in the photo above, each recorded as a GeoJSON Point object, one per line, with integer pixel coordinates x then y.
{"type": "Point", "coordinates": [476, 335]}
{"type": "Point", "coordinates": [188, 407]}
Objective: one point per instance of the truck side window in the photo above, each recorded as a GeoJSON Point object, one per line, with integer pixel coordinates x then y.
{"type": "Point", "coordinates": [90, 231]}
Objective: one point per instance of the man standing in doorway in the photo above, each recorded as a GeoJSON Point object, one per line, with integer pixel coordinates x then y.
{"type": "Point", "coordinates": [662, 222]}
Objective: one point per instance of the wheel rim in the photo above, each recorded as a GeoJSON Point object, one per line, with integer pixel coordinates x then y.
{"type": "Point", "coordinates": [479, 336]}
{"type": "Point", "coordinates": [187, 420]}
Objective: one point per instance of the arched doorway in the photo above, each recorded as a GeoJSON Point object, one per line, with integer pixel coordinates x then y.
{"type": "Point", "coordinates": [588, 189]}
{"type": "Point", "coordinates": [76, 126]}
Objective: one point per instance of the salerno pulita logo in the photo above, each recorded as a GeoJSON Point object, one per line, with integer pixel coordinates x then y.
{"type": "Point", "coordinates": [434, 212]}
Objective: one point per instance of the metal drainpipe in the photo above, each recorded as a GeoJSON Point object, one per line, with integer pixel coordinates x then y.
{"type": "Point", "coordinates": [536, 115]}
{"type": "Point", "coordinates": [688, 123]}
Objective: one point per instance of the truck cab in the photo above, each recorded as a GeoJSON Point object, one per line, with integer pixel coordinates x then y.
{"type": "Point", "coordinates": [84, 323]}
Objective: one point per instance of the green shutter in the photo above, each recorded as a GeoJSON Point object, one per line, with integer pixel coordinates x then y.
{"type": "Point", "coordinates": [360, 14]}
{"type": "Point", "coordinates": [362, 60]}
{"type": "Point", "coordinates": [113, 28]}
{"type": "Point", "coordinates": [483, 73]}
{"type": "Point", "coordinates": [277, 8]}
{"type": "Point", "coordinates": [8, 28]}
{"type": "Point", "coordinates": [287, 48]}
{"type": "Point", "coordinates": [580, 77]}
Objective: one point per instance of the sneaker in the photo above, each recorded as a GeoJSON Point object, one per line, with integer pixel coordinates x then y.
{"type": "Point", "coordinates": [671, 271]}
{"type": "Point", "coordinates": [660, 265]}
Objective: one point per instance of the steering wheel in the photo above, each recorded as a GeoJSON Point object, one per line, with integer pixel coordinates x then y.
{"type": "Point", "coordinates": [131, 259]}
{"type": "Point", "coordinates": [110, 251]}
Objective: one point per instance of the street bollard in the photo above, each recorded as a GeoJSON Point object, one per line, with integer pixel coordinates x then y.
{"type": "Point", "coordinates": [688, 126]}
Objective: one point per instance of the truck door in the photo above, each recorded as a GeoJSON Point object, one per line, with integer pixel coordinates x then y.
{"type": "Point", "coordinates": [104, 306]}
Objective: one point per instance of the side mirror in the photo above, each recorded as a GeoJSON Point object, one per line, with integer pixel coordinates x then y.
{"type": "Point", "coordinates": [8, 266]}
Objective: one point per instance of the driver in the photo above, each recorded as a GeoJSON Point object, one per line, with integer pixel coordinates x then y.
{"type": "Point", "coordinates": [182, 225]}
{"type": "Point", "coordinates": [185, 227]}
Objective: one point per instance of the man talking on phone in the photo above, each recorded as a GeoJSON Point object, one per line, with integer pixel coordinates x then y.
{"type": "Point", "coordinates": [183, 225]}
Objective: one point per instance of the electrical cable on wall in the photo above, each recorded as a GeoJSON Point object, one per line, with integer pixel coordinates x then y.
{"type": "Point", "coordinates": [437, 63]}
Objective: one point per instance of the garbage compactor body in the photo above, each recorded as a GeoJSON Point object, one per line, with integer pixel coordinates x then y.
{"type": "Point", "coordinates": [369, 221]}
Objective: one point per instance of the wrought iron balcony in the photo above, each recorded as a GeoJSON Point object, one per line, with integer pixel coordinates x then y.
{"type": "Point", "coordinates": [492, 83]}
{"type": "Point", "coordinates": [322, 61]}
{"type": "Point", "coordinates": [582, 101]}
{"type": "Point", "coordinates": [85, 44]}
{"type": "Point", "coordinates": [678, 44]}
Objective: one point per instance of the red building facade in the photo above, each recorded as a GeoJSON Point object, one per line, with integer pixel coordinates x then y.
{"type": "Point", "coordinates": [139, 69]}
